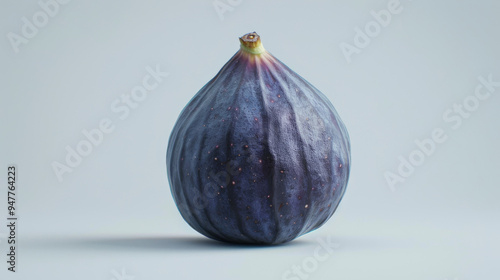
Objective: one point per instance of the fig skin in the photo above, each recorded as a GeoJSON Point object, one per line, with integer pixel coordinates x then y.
{"type": "Point", "coordinates": [258, 155]}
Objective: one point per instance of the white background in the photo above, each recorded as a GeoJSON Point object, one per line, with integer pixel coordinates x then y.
{"type": "Point", "coordinates": [113, 216]}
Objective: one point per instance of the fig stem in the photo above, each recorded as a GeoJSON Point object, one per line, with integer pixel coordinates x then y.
{"type": "Point", "coordinates": [251, 43]}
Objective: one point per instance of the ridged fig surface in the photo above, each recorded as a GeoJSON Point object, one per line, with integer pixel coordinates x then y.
{"type": "Point", "coordinates": [259, 155]}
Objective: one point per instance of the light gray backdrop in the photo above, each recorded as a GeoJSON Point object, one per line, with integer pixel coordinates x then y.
{"type": "Point", "coordinates": [416, 83]}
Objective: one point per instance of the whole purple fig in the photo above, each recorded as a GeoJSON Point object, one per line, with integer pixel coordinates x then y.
{"type": "Point", "coordinates": [259, 155]}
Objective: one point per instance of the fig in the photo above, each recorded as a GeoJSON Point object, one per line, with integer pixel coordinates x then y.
{"type": "Point", "coordinates": [258, 155]}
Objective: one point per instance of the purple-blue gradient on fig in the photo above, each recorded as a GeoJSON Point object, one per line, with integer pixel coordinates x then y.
{"type": "Point", "coordinates": [259, 155]}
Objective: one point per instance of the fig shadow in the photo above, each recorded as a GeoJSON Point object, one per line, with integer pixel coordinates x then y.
{"type": "Point", "coordinates": [154, 243]}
